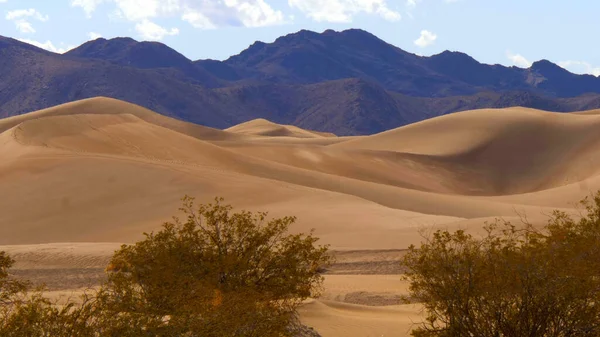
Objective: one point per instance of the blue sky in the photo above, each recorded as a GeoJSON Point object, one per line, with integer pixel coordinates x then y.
{"type": "Point", "coordinates": [509, 32]}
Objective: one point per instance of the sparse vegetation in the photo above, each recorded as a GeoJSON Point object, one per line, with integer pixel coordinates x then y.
{"type": "Point", "coordinates": [218, 273]}
{"type": "Point", "coordinates": [511, 282]}
{"type": "Point", "coordinates": [224, 273]}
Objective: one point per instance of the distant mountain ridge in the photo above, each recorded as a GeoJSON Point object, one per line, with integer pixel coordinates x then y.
{"type": "Point", "coordinates": [347, 82]}
{"type": "Point", "coordinates": [309, 57]}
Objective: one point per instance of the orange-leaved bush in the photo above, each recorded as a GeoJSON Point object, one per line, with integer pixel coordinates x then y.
{"type": "Point", "coordinates": [511, 282]}
{"type": "Point", "coordinates": [218, 273]}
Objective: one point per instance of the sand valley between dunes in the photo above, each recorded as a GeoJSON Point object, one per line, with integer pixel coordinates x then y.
{"type": "Point", "coordinates": [79, 179]}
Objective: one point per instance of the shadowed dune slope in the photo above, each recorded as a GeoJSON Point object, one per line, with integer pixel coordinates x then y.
{"type": "Point", "coordinates": [514, 150]}
{"type": "Point", "coordinates": [587, 112]}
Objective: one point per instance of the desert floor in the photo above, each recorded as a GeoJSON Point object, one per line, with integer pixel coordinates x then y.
{"type": "Point", "coordinates": [79, 179]}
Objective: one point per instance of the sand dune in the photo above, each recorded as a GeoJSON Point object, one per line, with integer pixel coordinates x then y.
{"type": "Point", "coordinates": [508, 151]}
{"type": "Point", "coordinates": [80, 178]}
{"type": "Point", "coordinates": [335, 319]}
{"type": "Point", "coordinates": [119, 168]}
{"type": "Point", "coordinates": [109, 106]}
{"type": "Point", "coordinates": [587, 112]}
{"type": "Point", "coordinates": [263, 127]}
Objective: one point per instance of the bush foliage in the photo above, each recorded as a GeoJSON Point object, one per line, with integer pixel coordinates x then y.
{"type": "Point", "coordinates": [511, 282]}
{"type": "Point", "coordinates": [216, 273]}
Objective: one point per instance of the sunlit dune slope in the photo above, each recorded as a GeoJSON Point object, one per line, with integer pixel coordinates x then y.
{"type": "Point", "coordinates": [263, 127]}
{"type": "Point", "coordinates": [333, 319]}
{"type": "Point", "coordinates": [105, 170]}
{"type": "Point", "coordinates": [109, 177]}
{"type": "Point", "coordinates": [109, 106]}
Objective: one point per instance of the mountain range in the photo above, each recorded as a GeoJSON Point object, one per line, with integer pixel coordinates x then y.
{"type": "Point", "coordinates": [347, 83]}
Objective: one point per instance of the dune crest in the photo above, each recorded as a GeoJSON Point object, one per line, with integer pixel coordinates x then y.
{"type": "Point", "coordinates": [263, 127]}
{"type": "Point", "coordinates": [111, 106]}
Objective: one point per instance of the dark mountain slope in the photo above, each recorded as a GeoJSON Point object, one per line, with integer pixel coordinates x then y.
{"type": "Point", "coordinates": [561, 83]}
{"type": "Point", "coordinates": [223, 71]}
{"type": "Point", "coordinates": [309, 57]}
{"type": "Point", "coordinates": [32, 79]}
{"type": "Point", "coordinates": [349, 106]}
{"type": "Point", "coordinates": [144, 55]}
{"type": "Point", "coordinates": [463, 67]}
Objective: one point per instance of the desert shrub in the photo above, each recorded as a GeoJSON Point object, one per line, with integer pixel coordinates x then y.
{"type": "Point", "coordinates": [35, 315]}
{"type": "Point", "coordinates": [217, 273]}
{"type": "Point", "coordinates": [511, 282]}
{"type": "Point", "coordinates": [10, 288]}
{"type": "Point", "coordinates": [26, 312]}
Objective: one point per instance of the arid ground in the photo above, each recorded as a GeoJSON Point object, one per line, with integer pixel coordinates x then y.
{"type": "Point", "coordinates": [80, 179]}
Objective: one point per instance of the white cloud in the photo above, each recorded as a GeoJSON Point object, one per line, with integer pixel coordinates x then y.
{"type": "Point", "coordinates": [151, 31]}
{"type": "Point", "coordinates": [518, 60]}
{"type": "Point", "coordinates": [23, 13]}
{"type": "Point", "coordinates": [24, 26]}
{"type": "Point", "coordinates": [88, 6]}
{"type": "Point", "coordinates": [207, 14]}
{"type": "Point", "coordinates": [580, 67]}
{"type": "Point", "coordinates": [255, 13]}
{"type": "Point", "coordinates": [412, 3]}
{"type": "Point", "coordinates": [199, 13]}
{"type": "Point", "coordinates": [388, 14]}
{"type": "Point", "coordinates": [20, 19]}
{"type": "Point", "coordinates": [48, 45]}
{"type": "Point", "coordinates": [427, 38]}
{"type": "Point", "coordinates": [137, 10]}
{"type": "Point", "coordinates": [343, 10]}
{"type": "Point", "coordinates": [197, 19]}
{"type": "Point", "coordinates": [93, 35]}
{"type": "Point", "coordinates": [410, 7]}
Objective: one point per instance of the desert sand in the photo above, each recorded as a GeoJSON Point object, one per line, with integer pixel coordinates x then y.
{"type": "Point", "coordinates": [79, 179]}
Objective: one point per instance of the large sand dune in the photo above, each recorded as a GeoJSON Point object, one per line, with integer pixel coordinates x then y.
{"type": "Point", "coordinates": [508, 151]}
{"type": "Point", "coordinates": [78, 179]}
